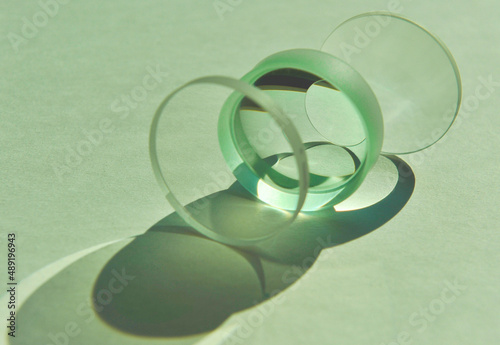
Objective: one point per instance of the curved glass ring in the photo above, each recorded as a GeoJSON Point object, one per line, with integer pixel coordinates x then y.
{"type": "Point", "coordinates": [267, 104]}
{"type": "Point", "coordinates": [308, 67]}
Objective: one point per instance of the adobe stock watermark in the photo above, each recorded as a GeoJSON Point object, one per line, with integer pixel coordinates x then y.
{"type": "Point", "coordinates": [484, 89]}
{"type": "Point", "coordinates": [122, 106]}
{"type": "Point", "coordinates": [88, 309]}
{"type": "Point", "coordinates": [265, 136]}
{"type": "Point", "coordinates": [222, 7]}
{"type": "Point", "coordinates": [365, 35]}
{"type": "Point", "coordinates": [247, 323]}
{"type": "Point", "coordinates": [30, 27]}
{"type": "Point", "coordinates": [419, 321]}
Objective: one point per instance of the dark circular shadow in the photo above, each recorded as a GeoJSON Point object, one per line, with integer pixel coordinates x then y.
{"type": "Point", "coordinates": [183, 284]}
{"type": "Point", "coordinates": [186, 284]}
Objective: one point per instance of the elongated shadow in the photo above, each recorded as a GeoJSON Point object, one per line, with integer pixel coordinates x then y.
{"type": "Point", "coordinates": [186, 284]}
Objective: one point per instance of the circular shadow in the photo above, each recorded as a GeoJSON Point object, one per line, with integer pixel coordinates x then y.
{"type": "Point", "coordinates": [182, 284]}
{"type": "Point", "coordinates": [171, 283]}
{"type": "Point", "coordinates": [188, 284]}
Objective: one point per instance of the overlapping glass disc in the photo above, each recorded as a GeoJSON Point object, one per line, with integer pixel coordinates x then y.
{"type": "Point", "coordinates": [412, 73]}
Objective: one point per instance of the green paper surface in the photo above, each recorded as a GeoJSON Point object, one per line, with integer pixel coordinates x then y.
{"type": "Point", "coordinates": [75, 170]}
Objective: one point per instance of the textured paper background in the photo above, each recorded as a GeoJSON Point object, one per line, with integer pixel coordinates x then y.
{"type": "Point", "coordinates": [64, 81]}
